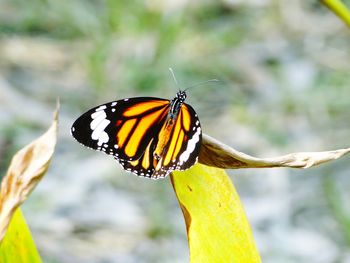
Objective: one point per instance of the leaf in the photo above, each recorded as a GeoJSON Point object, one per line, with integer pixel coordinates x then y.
{"type": "Point", "coordinates": [26, 169]}
{"type": "Point", "coordinates": [339, 8]}
{"type": "Point", "coordinates": [217, 227]}
{"type": "Point", "coordinates": [217, 154]}
{"type": "Point", "coordinates": [18, 245]}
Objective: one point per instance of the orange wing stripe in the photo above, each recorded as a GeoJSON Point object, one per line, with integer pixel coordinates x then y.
{"type": "Point", "coordinates": [124, 132]}
{"type": "Point", "coordinates": [179, 143]}
{"type": "Point", "coordinates": [163, 137]}
{"type": "Point", "coordinates": [186, 118]}
{"type": "Point", "coordinates": [134, 163]}
{"type": "Point", "coordinates": [142, 107]}
{"type": "Point", "coordinates": [174, 138]}
{"type": "Point", "coordinates": [145, 160]}
{"type": "Point", "coordinates": [141, 129]}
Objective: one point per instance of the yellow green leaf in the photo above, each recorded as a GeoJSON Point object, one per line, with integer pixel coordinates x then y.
{"type": "Point", "coordinates": [217, 227]}
{"type": "Point", "coordinates": [339, 8]}
{"type": "Point", "coordinates": [18, 245]}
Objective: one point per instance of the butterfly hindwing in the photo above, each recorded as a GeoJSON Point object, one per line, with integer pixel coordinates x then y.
{"type": "Point", "coordinates": [144, 165]}
{"type": "Point", "coordinates": [181, 152]}
{"type": "Point", "coordinates": [184, 144]}
{"type": "Point", "coordinates": [190, 143]}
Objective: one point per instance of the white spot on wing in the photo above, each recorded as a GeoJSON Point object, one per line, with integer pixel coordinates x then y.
{"type": "Point", "coordinates": [98, 126]}
{"type": "Point", "coordinates": [97, 117]}
{"type": "Point", "coordinates": [191, 145]}
{"type": "Point", "coordinates": [102, 107]}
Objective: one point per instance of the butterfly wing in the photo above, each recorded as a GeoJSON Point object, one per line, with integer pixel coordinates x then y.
{"type": "Point", "coordinates": [144, 166]}
{"type": "Point", "coordinates": [130, 129]}
{"type": "Point", "coordinates": [184, 144]}
{"type": "Point", "coordinates": [188, 144]}
{"type": "Point", "coordinates": [121, 128]}
{"type": "Point", "coordinates": [181, 151]}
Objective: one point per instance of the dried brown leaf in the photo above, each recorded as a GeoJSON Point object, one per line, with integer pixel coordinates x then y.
{"type": "Point", "coordinates": [217, 154]}
{"type": "Point", "coordinates": [26, 170]}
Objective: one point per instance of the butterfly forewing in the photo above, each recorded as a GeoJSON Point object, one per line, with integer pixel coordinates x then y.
{"type": "Point", "coordinates": [118, 128]}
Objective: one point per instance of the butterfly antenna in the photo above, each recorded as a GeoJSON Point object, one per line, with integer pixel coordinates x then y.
{"type": "Point", "coordinates": [201, 83]}
{"type": "Point", "coordinates": [173, 74]}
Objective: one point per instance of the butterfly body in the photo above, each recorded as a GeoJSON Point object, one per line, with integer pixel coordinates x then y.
{"type": "Point", "coordinates": [148, 136]}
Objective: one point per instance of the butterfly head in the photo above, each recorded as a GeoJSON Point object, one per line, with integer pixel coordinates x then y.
{"type": "Point", "coordinates": [181, 96]}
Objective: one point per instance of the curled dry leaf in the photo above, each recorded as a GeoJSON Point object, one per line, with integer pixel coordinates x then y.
{"type": "Point", "coordinates": [217, 154]}
{"type": "Point", "coordinates": [26, 169]}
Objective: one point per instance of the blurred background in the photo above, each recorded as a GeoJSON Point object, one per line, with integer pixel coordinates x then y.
{"type": "Point", "coordinates": [285, 87]}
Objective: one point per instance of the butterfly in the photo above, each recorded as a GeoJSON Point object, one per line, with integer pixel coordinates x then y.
{"type": "Point", "coordinates": [148, 136]}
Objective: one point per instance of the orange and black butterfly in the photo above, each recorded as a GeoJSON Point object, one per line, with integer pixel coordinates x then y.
{"type": "Point", "coordinates": [150, 137]}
